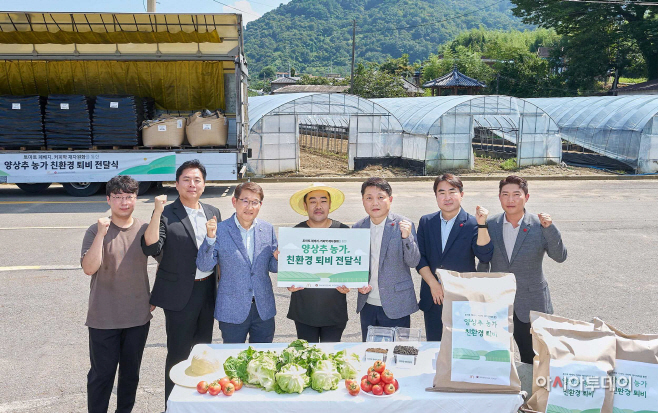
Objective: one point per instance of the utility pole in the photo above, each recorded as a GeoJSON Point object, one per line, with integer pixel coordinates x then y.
{"type": "Point", "coordinates": [497, 78]}
{"type": "Point", "coordinates": [151, 6]}
{"type": "Point", "coordinates": [353, 48]}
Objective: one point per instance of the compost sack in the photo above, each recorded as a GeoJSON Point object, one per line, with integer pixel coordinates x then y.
{"type": "Point", "coordinates": [477, 349]}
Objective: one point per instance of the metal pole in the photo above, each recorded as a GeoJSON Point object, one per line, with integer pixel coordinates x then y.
{"type": "Point", "coordinates": [353, 49]}
{"type": "Point", "coordinates": [150, 7]}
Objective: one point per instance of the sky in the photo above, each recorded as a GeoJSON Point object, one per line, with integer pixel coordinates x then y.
{"type": "Point", "coordinates": [250, 10]}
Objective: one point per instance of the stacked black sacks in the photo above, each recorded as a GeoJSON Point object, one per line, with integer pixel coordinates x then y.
{"type": "Point", "coordinates": [21, 122]}
{"type": "Point", "coordinates": [68, 121]}
{"type": "Point", "coordinates": [116, 120]}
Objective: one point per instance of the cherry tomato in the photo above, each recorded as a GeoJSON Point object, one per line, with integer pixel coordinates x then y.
{"type": "Point", "coordinates": [202, 387]}
{"type": "Point", "coordinates": [228, 389]}
{"type": "Point", "coordinates": [353, 388]}
{"type": "Point", "coordinates": [366, 386]}
{"type": "Point", "coordinates": [224, 381]}
{"type": "Point", "coordinates": [371, 369]}
{"type": "Point", "coordinates": [396, 384]}
{"type": "Point", "coordinates": [348, 382]}
{"type": "Point", "coordinates": [237, 382]}
{"type": "Point", "coordinates": [387, 377]}
{"type": "Point", "coordinates": [215, 388]}
{"type": "Point", "coordinates": [374, 377]}
{"type": "Point", "coordinates": [365, 376]}
{"type": "Point", "coordinates": [379, 366]}
{"type": "Point", "coordinates": [377, 390]}
{"type": "Point", "coordinates": [389, 388]}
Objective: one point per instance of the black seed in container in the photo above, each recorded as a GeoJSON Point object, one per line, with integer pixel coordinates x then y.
{"type": "Point", "coordinates": [406, 350]}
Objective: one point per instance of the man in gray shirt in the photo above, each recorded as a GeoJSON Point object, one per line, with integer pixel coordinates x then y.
{"type": "Point", "coordinates": [119, 312]}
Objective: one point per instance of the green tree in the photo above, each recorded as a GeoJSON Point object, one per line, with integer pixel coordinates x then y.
{"type": "Point", "coordinates": [372, 82]}
{"type": "Point", "coordinates": [598, 32]}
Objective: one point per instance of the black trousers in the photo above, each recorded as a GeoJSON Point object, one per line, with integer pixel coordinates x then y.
{"type": "Point", "coordinates": [523, 339]}
{"type": "Point", "coordinates": [189, 327]}
{"type": "Point", "coordinates": [108, 349]}
{"type": "Point", "coordinates": [373, 315]}
{"type": "Point", "coordinates": [324, 334]}
{"type": "Point", "coordinates": [433, 322]}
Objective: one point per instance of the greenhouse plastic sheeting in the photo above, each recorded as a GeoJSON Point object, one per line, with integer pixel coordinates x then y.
{"type": "Point", "coordinates": [620, 127]}
{"type": "Point", "coordinates": [175, 85]}
{"type": "Point", "coordinates": [274, 127]}
{"type": "Point", "coordinates": [439, 130]}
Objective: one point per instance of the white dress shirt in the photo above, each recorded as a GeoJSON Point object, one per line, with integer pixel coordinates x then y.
{"type": "Point", "coordinates": [198, 220]}
{"type": "Point", "coordinates": [446, 227]}
{"type": "Point", "coordinates": [509, 235]}
{"type": "Point", "coordinates": [376, 234]}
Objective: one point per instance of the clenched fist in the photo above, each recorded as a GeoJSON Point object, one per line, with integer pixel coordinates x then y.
{"type": "Point", "coordinates": [405, 228]}
{"type": "Point", "coordinates": [160, 202]}
{"type": "Point", "coordinates": [211, 227]}
{"type": "Point", "coordinates": [545, 220]}
{"type": "Point", "coordinates": [103, 226]}
{"type": "Point", "coordinates": [481, 215]}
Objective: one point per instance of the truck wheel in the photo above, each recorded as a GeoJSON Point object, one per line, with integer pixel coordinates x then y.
{"type": "Point", "coordinates": [82, 188]}
{"type": "Point", "coordinates": [144, 187]}
{"type": "Point", "coordinates": [34, 188]}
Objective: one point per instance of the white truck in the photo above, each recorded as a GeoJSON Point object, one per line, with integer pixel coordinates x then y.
{"type": "Point", "coordinates": [186, 62]}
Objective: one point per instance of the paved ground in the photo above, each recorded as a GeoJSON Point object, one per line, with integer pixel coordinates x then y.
{"type": "Point", "coordinates": [609, 227]}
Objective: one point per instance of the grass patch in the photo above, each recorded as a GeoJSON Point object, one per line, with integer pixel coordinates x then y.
{"type": "Point", "coordinates": [509, 165]}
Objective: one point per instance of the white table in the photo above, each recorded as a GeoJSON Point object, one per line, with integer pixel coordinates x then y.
{"type": "Point", "coordinates": [411, 397]}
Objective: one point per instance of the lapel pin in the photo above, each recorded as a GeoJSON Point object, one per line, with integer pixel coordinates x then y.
{"type": "Point", "coordinates": [525, 229]}
{"type": "Point", "coordinates": [461, 225]}
{"type": "Point", "coordinates": [392, 224]}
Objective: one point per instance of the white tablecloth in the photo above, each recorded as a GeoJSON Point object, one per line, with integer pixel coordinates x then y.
{"type": "Point", "coordinates": [411, 397]}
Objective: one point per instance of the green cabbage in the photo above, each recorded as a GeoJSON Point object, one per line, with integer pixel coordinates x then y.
{"type": "Point", "coordinates": [347, 365]}
{"type": "Point", "coordinates": [261, 370]}
{"type": "Point", "coordinates": [237, 366]}
{"type": "Point", "coordinates": [325, 376]}
{"type": "Point", "coordinates": [292, 379]}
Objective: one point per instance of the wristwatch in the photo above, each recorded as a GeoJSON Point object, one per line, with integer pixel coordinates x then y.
{"type": "Point", "coordinates": [483, 225]}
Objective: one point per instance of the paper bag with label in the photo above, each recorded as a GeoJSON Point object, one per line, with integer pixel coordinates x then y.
{"type": "Point", "coordinates": [477, 349]}
{"type": "Point", "coordinates": [636, 371]}
{"type": "Point", "coordinates": [572, 368]}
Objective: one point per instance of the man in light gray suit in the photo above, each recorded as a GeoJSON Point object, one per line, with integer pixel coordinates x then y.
{"type": "Point", "coordinates": [390, 298]}
{"type": "Point", "coordinates": [520, 242]}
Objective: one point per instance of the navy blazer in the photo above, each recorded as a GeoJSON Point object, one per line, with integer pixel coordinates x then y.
{"type": "Point", "coordinates": [240, 279]}
{"type": "Point", "coordinates": [460, 252]}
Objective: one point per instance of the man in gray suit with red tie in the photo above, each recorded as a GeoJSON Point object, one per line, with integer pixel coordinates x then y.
{"type": "Point", "coordinates": [390, 298]}
{"type": "Point", "coordinates": [520, 242]}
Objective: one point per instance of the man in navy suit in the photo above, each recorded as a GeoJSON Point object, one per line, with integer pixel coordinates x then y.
{"type": "Point", "coordinates": [449, 239]}
{"type": "Point", "coordinates": [246, 250]}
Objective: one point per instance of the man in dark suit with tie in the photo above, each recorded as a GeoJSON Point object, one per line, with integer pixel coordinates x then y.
{"type": "Point", "coordinates": [186, 295]}
{"type": "Point", "coordinates": [449, 239]}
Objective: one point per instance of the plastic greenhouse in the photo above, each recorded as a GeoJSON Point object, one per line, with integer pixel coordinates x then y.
{"type": "Point", "coordinates": [274, 127]}
{"type": "Point", "coordinates": [624, 128]}
{"type": "Point", "coordinates": [438, 131]}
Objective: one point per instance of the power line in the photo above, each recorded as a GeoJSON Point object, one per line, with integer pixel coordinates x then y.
{"type": "Point", "coordinates": [235, 8]}
{"type": "Point", "coordinates": [615, 2]}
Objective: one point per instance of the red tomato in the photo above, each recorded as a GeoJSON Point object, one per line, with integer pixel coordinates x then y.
{"type": "Point", "coordinates": [366, 386]}
{"type": "Point", "coordinates": [228, 389]}
{"type": "Point", "coordinates": [371, 369]}
{"type": "Point", "coordinates": [348, 382]}
{"type": "Point", "coordinates": [389, 388]}
{"type": "Point", "coordinates": [237, 382]}
{"type": "Point", "coordinates": [377, 390]}
{"type": "Point", "coordinates": [202, 387]}
{"type": "Point", "coordinates": [353, 388]}
{"type": "Point", "coordinates": [224, 381]}
{"type": "Point", "coordinates": [379, 366]}
{"type": "Point", "coordinates": [215, 388]}
{"type": "Point", "coordinates": [387, 377]}
{"type": "Point", "coordinates": [365, 376]}
{"type": "Point", "coordinates": [396, 384]}
{"type": "Point", "coordinates": [374, 377]}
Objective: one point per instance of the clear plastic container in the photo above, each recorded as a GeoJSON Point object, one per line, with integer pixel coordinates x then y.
{"type": "Point", "coordinates": [411, 335]}
{"type": "Point", "coordinates": [380, 334]}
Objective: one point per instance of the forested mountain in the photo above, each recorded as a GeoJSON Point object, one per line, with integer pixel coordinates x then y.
{"type": "Point", "coordinates": [314, 35]}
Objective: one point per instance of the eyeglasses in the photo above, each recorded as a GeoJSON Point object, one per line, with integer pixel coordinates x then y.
{"type": "Point", "coordinates": [245, 202]}
{"type": "Point", "coordinates": [123, 198]}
